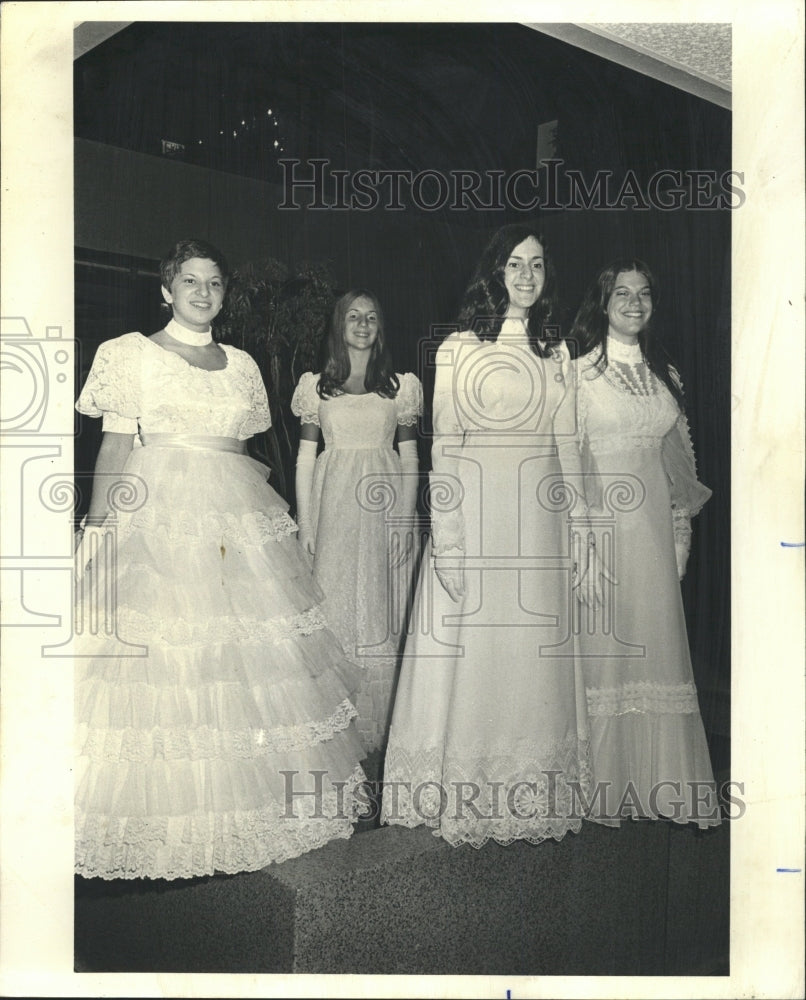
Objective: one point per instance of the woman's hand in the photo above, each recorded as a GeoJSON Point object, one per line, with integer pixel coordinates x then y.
{"type": "Point", "coordinates": [579, 562]}
{"type": "Point", "coordinates": [451, 575]}
{"type": "Point", "coordinates": [592, 584]}
{"type": "Point", "coordinates": [681, 551]}
{"type": "Point", "coordinates": [307, 539]}
{"type": "Point", "coordinates": [401, 546]}
{"type": "Point", "coordinates": [589, 571]}
{"type": "Point", "coordinates": [112, 455]}
{"type": "Point", "coordinates": [87, 543]}
{"type": "Point", "coordinates": [681, 522]}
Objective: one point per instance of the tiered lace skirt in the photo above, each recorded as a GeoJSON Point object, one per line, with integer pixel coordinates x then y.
{"type": "Point", "coordinates": [213, 704]}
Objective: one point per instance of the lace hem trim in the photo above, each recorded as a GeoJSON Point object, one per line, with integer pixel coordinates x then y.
{"type": "Point", "coordinates": [473, 796]}
{"type": "Point", "coordinates": [251, 528]}
{"type": "Point", "coordinates": [135, 626]}
{"type": "Point", "coordinates": [207, 743]}
{"type": "Point", "coordinates": [171, 847]}
{"type": "Point", "coordinates": [645, 697]}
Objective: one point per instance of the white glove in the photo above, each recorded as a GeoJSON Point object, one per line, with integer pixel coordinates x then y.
{"type": "Point", "coordinates": [407, 503]}
{"type": "Point", "coordinates": [452, 578]}
{"type": "Point", "coordinates": [306, 460]}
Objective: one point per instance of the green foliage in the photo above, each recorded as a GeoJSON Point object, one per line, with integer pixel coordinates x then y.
{"type": "Point", "coordinates": [280, 317]}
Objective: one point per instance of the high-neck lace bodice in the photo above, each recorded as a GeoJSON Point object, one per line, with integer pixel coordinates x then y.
{"type": "Point", "coordinates": [623, 405]}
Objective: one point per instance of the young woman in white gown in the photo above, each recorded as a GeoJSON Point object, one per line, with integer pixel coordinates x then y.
{"type": "Point", "coordinates": [356, 502]}
{"type": "Point", "coordinates": [633, 465]}
{"type": "Point", "coordinates": [488, 738]}
{"type": "Point", "coordinates": [205, 710]}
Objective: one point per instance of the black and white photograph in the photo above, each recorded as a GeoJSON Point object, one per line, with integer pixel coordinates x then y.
{"type": "Point", "coordinates": [403, 465]}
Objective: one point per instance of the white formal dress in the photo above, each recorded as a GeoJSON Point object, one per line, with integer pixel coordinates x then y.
{"type": "Point", "coordinates": [354, 498]}
{"type": "Point", "coordinates": [220, 690]}
{"type": "Point", "coordinates": [489, 737]}
{"type": "Point", "coordinates": [650, 754]}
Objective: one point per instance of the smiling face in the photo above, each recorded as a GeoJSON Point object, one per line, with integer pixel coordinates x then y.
{"type": "Point", "coordinates": [629, 306]}
{"type": "Point", "coordinates": [524, 276]}
{"type": "Point", "coordinates": [361, 324]}
{"type": "Point", "coordinates": [196, 294]}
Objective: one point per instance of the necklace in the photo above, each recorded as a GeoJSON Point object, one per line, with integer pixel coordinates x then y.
{"type": "Point", "coordinates": [189, 337]}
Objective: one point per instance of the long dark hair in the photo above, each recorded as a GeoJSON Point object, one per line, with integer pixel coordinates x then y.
{"type": "Point", "coordinates": [589, 329]}
{"type": "Point", "coordinates": [486, 300]}
{"type": "Point", "coordinates": [380, 375]}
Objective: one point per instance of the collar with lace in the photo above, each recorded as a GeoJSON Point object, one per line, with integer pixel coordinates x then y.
{"type": "Point", "coordinates": [189, 337]}
{"type": "Point", "coordinates": [628, 353]}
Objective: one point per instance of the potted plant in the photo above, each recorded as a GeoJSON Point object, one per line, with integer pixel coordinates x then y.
{"type": "Point", "coordinates": [279, 315]}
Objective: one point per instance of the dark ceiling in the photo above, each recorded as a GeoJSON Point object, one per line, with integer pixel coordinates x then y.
{"type": "Point", "coordinates": [240, 96]}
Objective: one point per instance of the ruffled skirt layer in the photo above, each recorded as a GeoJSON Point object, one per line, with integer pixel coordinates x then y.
{"type": "Point", "coordinates": [213, 705]}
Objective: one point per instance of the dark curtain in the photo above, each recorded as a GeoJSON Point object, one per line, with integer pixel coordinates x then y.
{"type": "Point", "coordinates": [439, 97]}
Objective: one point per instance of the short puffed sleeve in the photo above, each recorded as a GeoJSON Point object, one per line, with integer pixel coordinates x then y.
{"type": "Point", "coordinates": [305, 402]}
{"type": "Point", "coordinates": [409, 399]}
{"type": "Point", "coordinates": [113, 389]}
{"type": "Point", "coordinates": [258, 419]}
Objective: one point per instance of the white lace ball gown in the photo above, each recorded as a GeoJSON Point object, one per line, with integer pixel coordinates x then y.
{"type": "Point", "coordinates": [188, 752]}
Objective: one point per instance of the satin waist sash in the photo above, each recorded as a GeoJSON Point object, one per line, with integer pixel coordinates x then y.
{"type": "Point", "coordinates": [197, 442]}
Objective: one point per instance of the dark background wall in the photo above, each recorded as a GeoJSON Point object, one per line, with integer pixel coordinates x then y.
{"type": "Point", "coordinates": [408, 97]}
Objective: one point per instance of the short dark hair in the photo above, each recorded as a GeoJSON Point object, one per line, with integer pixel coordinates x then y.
{"type": "Point", "coordinates": [184, 250]}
